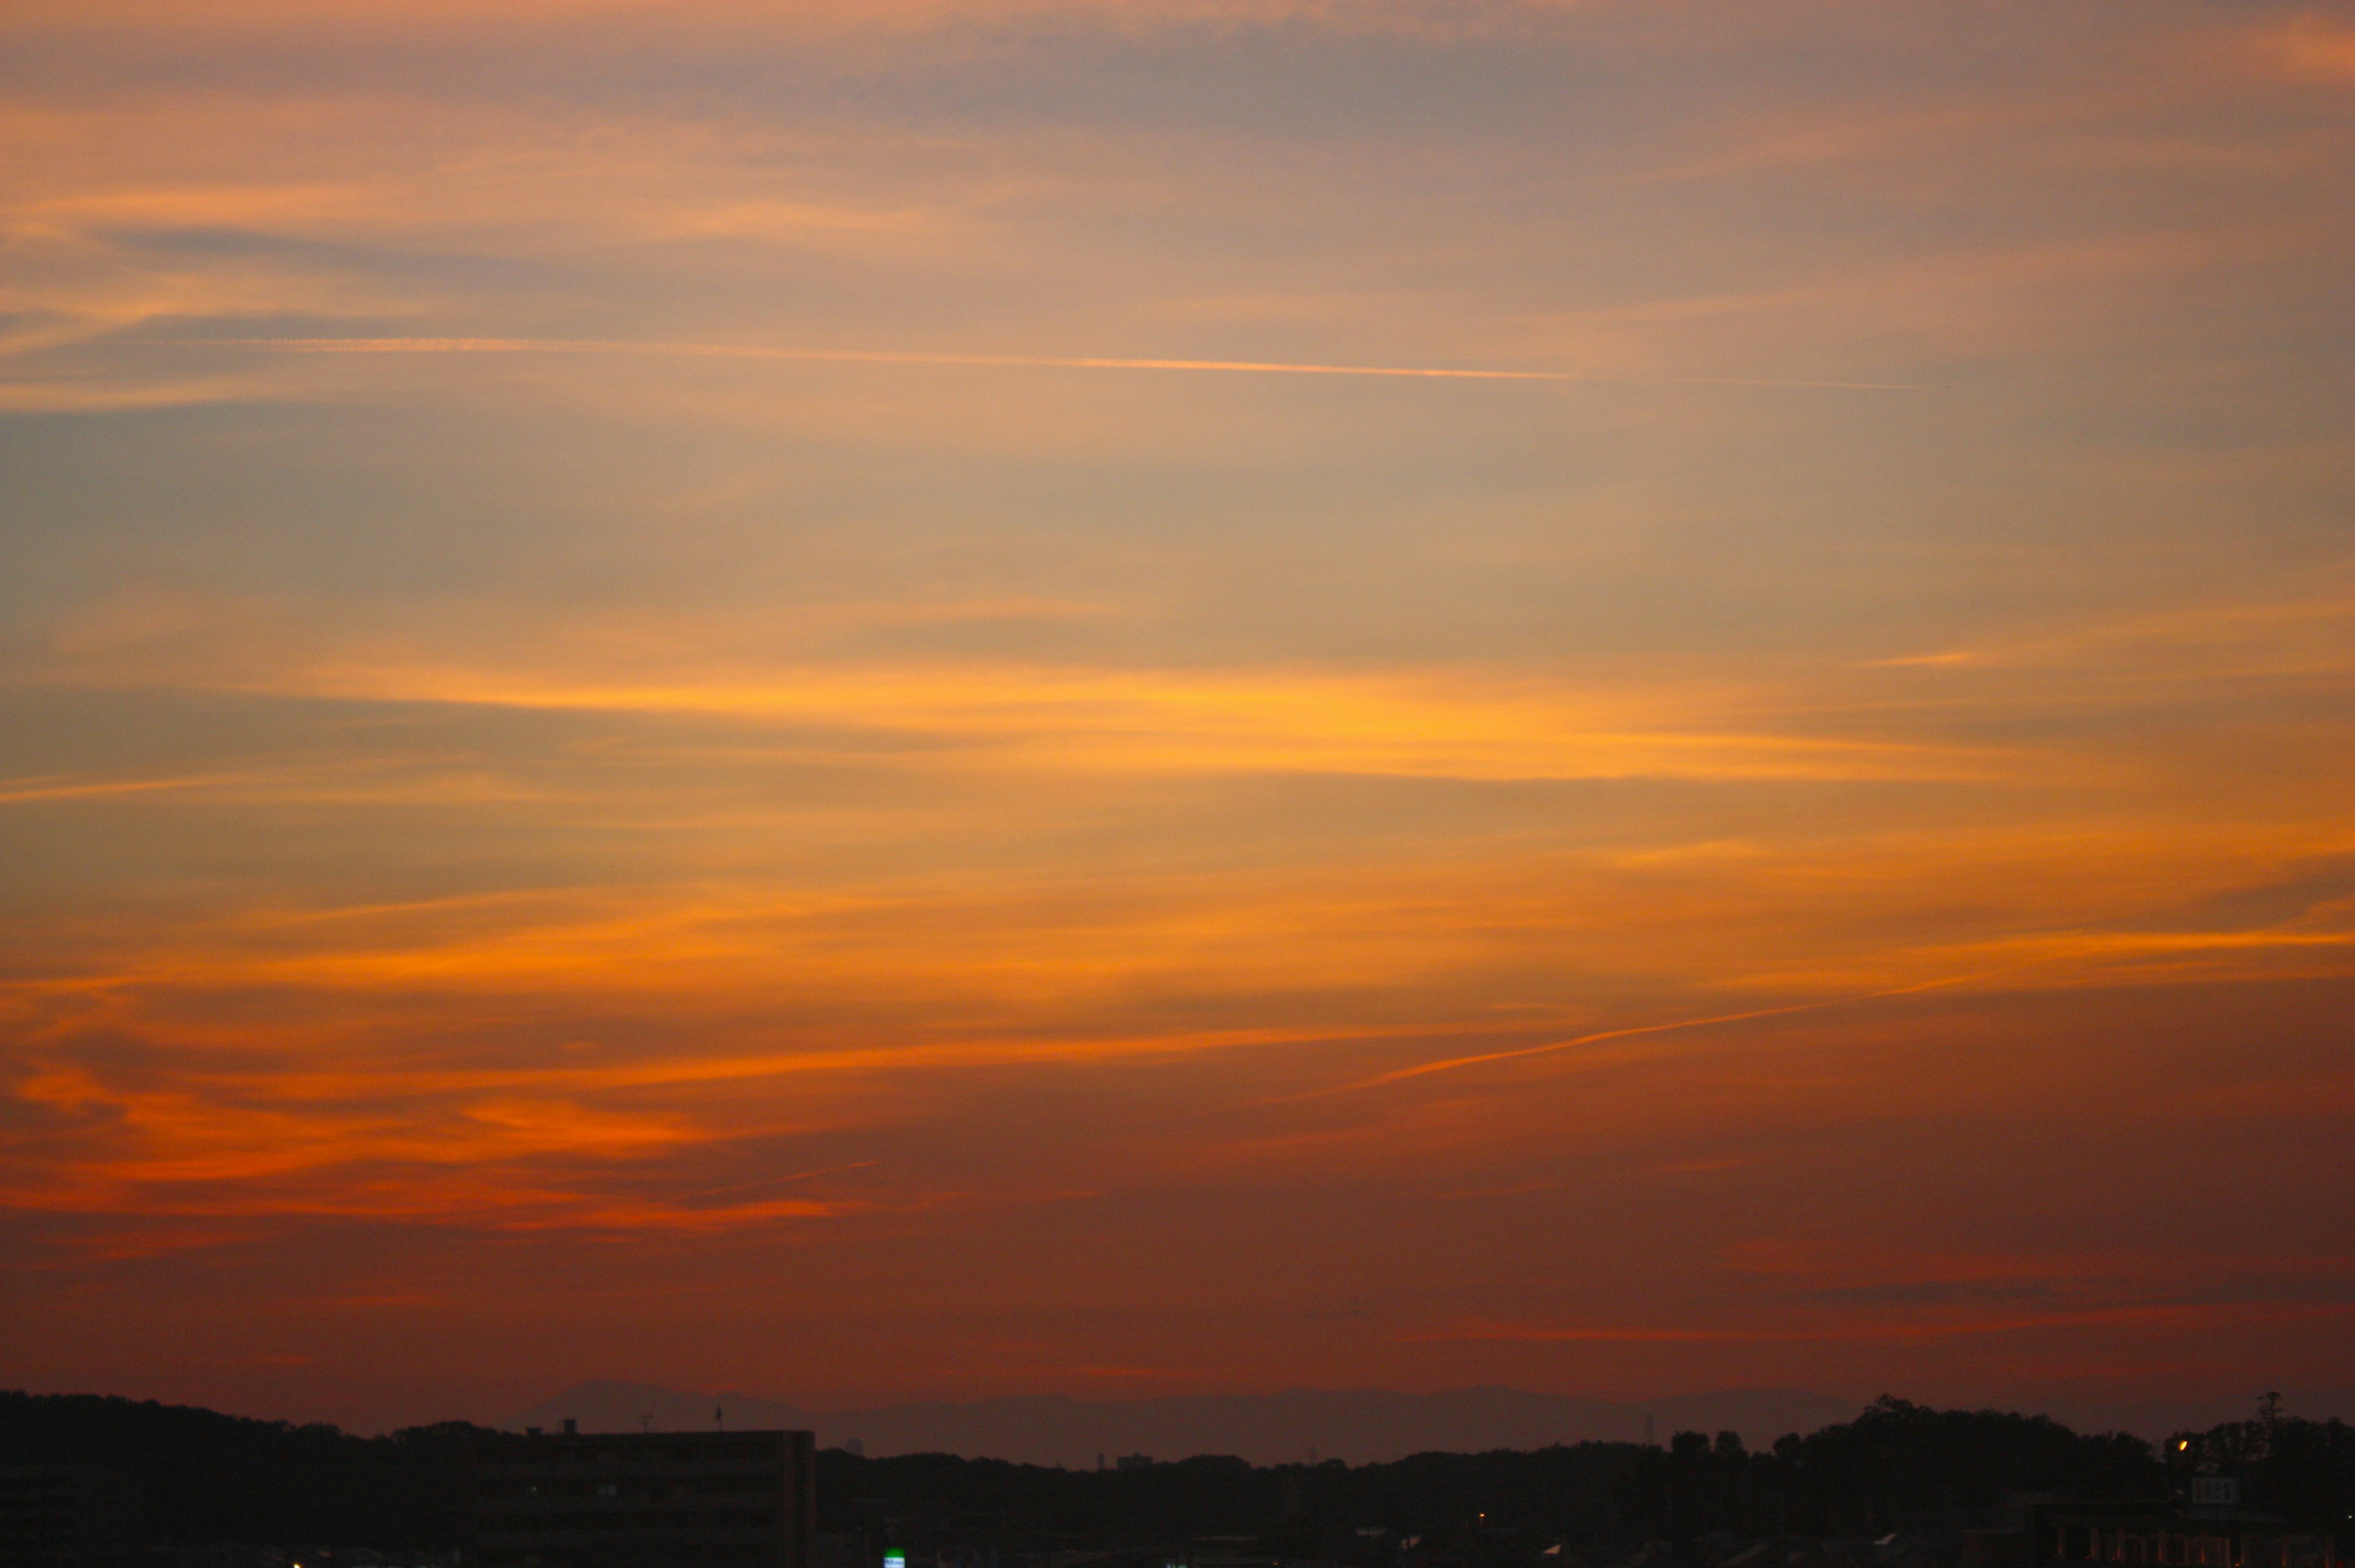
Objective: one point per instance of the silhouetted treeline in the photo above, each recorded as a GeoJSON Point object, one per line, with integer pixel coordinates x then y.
{"type": "Point", "coordinates": [1903, 1463]}
{"type": "Point", "coordinates": [205, 1477]}
{"type": "Point", "coordinates": [211, 1477]}
{"type": "Point", "coordinates": [1898, 1464]}
{"type": "Point", "coordinates": [2302, 1470]}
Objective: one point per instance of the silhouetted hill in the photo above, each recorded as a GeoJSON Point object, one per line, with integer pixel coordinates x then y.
{"type": "Point", "coordinates": [1357, 1427]}
{"type": "Point", "coordinates": [208, 1476]}
{"type": "Point", "coordinates": [213, 1477]}
{"type": "Point", "coordinates": [1897, 1464]}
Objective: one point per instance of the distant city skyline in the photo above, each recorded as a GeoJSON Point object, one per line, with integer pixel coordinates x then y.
{"type": "Point", "coordinates": [1358, 1427]}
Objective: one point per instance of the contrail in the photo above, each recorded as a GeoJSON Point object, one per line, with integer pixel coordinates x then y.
{"type": "Point", "coordinates": [1453, 1063]}
{"type": "Point", "coordinates": [1001, 361]}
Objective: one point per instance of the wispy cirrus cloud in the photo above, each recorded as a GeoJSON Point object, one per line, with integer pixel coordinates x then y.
{"type": "Point", "coordinates": [788, 687]}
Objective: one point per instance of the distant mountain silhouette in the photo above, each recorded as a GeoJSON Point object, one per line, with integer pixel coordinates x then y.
{"type": "Point", "coordinates": [1358, 1427]}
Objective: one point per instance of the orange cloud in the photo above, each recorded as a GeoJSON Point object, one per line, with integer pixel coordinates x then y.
{"type": "Point", "coordinates": [800, 684]}
{"type": "Point", "coordinates": [2312, 48]}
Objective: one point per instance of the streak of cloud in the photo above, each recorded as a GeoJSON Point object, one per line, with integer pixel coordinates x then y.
{"type": "Point", "coordinates": [1679, 1026]}
{"type": "Point", "coordinates": [987, 361]}
{"type": "Point", "coordinates": [1666, 705]}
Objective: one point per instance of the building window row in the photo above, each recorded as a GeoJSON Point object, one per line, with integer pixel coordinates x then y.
{"type": "Point", "coordinates": [696, 1486]}
{"type": "Point", "coordinates": [636, 1519]}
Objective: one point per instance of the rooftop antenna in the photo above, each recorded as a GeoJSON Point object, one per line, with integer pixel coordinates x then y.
{"type": "Point", "coordinates": [719, 1418]}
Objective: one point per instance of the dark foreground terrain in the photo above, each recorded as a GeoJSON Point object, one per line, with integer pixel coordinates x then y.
{"type": "Point", "coordinates": [206, 1478]}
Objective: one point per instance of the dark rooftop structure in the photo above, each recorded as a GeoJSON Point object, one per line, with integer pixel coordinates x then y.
{"type": "Point", "coordinates": [2172, 1538]}
{"type": "Point", "coordinates": [656, 1499]}
{"type": "Point", "coordinates": [66, 1515]}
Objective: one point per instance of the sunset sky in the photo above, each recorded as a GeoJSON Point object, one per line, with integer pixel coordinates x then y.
{"type": "Point", "coordinates": [747, 695]}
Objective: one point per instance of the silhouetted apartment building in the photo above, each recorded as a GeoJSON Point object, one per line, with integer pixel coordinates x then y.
{"type": "Point", "coordinates": [656, 1499]}
{"type": "Point", "coordinates": [66, 1515]}
{"type": "Point", "coordinates": [2157, 1538]}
